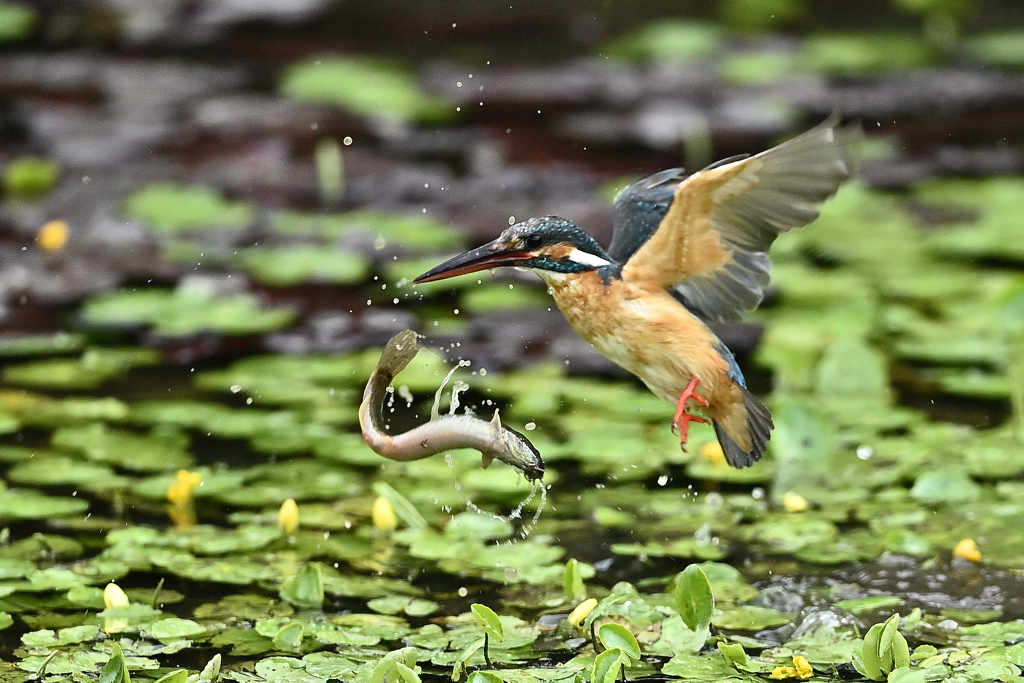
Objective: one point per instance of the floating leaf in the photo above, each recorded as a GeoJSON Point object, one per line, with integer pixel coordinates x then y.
{"type": "Point", "coordinates": [366, 86]}
{"type": "Point", "coordinates": [669, 40]}
{"type": "Point", "coordinates": [944, 486]}
{"type": "Point", "coordinates": [185, 311]}
{"type": "Point", "coordinates": [25, 178]}
{"type": "Point", "coordinates": [172, 208]}
{"type": "Point", "coordinates": [298, 264]}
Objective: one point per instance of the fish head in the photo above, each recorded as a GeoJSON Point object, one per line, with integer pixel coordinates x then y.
{"type": "Point", "coordinates": [521, 454]}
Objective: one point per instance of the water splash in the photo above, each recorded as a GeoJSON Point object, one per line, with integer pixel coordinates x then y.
{"type": "Point", "coordinates": [516, 515]}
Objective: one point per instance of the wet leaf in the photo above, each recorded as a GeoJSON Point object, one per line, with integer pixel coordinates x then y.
{"type": "Point", "coordinates": [173, 628]}
{"type": "Point", "coordinates": [733, 653]}
{"type": "Point", "coordinates": [306, 589]}
{"type": "Point", "coordinates": [607, 666]}
{"type": "Point", "coordinates": [693, 598]}
{"type": "Point", "coordinates": [488, 621]}
{"type": "Point", "coordinates": [616, 636]}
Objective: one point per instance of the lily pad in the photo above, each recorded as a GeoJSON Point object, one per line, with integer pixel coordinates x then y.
{"type": "Point", "coordinates": [28, 504]}
{"type": "Point", "coordinates": [298, 264]}
{"type": "Point", "coordinates": [157, 452]}
{"type": "Point", "coordinates": [184, 311]}
{"type": "Point", "coordinates": [170, 208]}
{"type": "Point", "coordinates": [366, 86]}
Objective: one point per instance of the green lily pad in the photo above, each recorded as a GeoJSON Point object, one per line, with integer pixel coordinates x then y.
{"type": "Point", "coordinates": [185, 311]}
{"type": "Point", "coordinates": [504, 297]}
{"type": "Point", "coordinates": [95, 367]}
{"type": "Point", "coordinates": [25, 178]}
{"type": "Point", "coordinates": [60, 470]}
{"type": "Point", "coordinates": [28, 504]}
{"type": "Point", "coordinates": [173, 628]}
{"type": "Point", "coordinates": [865, 53]}
{"type": "Point", "coordinates": [298, 264]}
{"type": "Point", "coordinates": [409, 232]}
{"type": "Point", "coordinates": [366, 86]}
{"type": "Point", "coordinates": [170, 208]}
{"type": "Point", "coordinates": [157, 452]}
{"type": "Point", "coordinates": [13, 345]}
{"type": "Point", "coordinates": [945, 486]}
{"type": "Point", "coordinates": [1003, 49]}
{"type": "Point", "coordinates": [668, 40]}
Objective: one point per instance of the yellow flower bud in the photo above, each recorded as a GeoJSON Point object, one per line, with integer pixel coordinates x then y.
{"type": "Point", "coordinates": [803, 668]}
{"type": "Point", "coordinates": [782, 673]}
{"type": "Point", "coordinates": [384, 515]}
{"type": "Point", "coordinates": [180, 490]}
{"type": "Point", "coordinates": [794, 502]}
{"type": "Point", "coordinates": [288, 517]}
{"type": "Point", "coordinates": [113, 596]}
{"type": "Point", "coordinates": [712, 453]}
{"type": "Point", "coordinates": [52, 236]}
{"type": "Point", "coordinates": [968, 550]}
{"type": "Point", "coordinates": [581, 612]}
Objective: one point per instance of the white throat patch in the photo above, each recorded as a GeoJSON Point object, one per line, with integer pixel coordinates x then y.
{"type": "Point", "coordinates": [587, 259]}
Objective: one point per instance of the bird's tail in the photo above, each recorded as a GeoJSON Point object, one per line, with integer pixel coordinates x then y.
{"type": "Point", "coordinates": [756, 432]}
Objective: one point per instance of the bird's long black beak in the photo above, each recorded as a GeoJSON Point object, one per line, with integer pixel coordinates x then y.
{"type": "Point", "coordinates": [491, 255]}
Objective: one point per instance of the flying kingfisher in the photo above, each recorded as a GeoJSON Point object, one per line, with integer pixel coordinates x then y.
{"type": "Point", "coordinates": [685, 251]}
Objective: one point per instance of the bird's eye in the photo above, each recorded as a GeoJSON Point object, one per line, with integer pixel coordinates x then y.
{"type": "Point", "coordinates": [534, 241]}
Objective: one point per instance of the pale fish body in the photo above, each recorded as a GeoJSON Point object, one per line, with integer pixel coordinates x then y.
{"type": "Point", "coordinates": [448, 432]}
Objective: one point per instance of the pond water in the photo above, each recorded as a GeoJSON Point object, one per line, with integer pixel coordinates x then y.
{"type": "Point", "coordinates": [210, 219]}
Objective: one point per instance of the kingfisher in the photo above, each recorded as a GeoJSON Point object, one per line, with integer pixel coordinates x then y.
{"type": "Point", "coordinates": [686, 250]}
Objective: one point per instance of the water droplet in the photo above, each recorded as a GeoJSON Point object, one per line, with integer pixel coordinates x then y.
{"type": "Point", "coordinates": [463, 592]}
{"type": "Point", "coordinates": [530, 426]}
{"type": "Point", "coordinates": [347, 140]}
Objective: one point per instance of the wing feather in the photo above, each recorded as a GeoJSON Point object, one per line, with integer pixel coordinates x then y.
{"type": "Point", "coordinates": [710, 246]}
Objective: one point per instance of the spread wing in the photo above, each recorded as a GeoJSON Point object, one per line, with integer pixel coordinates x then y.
{"type": "Point", "coordinates": [710, 243]}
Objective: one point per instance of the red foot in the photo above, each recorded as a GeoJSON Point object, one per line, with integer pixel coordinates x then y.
{"type": "Point", "coordinates": [683, 416]}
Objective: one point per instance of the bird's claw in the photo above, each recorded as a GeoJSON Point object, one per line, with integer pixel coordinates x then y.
{"type": "Point", "coordinates": [683, 418]}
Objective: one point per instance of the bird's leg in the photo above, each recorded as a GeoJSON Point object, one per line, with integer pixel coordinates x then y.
{"type": "Point", "coordinates": [683, 416]}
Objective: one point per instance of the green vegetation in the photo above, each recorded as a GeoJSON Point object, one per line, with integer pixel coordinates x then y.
{"type": "Point", "coordinates": [16, 21]}
{"type": "Point", "coordinates": [733, 575]}
{"type": "Point", "coordinates": [674, 40]}
{"type": "Point", "coordinates": [171, 208]}
{"type": "Point", "coordinates": [28, 178]}
{"type": "Point", "coordinates": [184, 311]}
{"type": "Point", "coordinates": [366, 86]}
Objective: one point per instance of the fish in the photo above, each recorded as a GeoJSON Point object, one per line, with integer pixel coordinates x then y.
{"type": "Point", "coordinates": [442, 433]}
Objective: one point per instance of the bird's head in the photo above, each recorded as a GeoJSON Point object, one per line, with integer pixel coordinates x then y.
{"type": "Point", "coordinates": [551, 246]}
